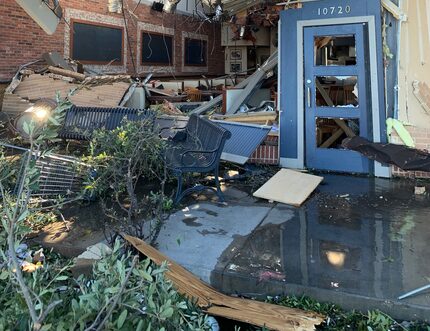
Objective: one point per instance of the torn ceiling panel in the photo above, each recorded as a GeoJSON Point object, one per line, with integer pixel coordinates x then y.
{"type": "Point", "coordinates": [289, 187]}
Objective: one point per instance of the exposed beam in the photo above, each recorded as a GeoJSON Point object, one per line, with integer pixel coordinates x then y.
{"type": "Point", "coordinates": [271, 62]}
{"type": "Point", "coordinates": [330, 103]}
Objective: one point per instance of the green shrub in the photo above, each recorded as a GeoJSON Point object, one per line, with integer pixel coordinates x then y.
{"type": "Point", "coordinates": [124, 157]}
{"type": "Point", "coordinates": [137, 293]}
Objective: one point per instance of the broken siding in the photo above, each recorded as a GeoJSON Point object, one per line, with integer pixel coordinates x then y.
{"type": "Point", "coordinates": [414, 79]}
{"type": "Point", "coordinates": [35, 87]}
{"type": "Point", "coordinates": [414, 61]}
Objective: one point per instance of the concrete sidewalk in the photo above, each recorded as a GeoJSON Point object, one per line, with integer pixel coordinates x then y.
{"type": "Point", "coordinates": [359, 242]}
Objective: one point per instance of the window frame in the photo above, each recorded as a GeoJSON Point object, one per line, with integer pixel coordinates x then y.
{"type": "Point", "coordinates": [72, 37]}
{"type": "Point", "coordinates": [205, 64]}
{"type": "Point", "coordinates": [172, 57]}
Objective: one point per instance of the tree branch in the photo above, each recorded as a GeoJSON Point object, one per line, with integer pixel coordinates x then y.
{"type": "Point", "coordinates": [116, 298]}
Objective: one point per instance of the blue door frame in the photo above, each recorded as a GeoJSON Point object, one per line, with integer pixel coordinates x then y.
{"type": "Point", "coordinates": [331, 158]}
{"type": "Point", "coordinates": [291, 73]}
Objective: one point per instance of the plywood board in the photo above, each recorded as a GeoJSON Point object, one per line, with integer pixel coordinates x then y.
{"type": "Point", "coordinates": [289, 187]}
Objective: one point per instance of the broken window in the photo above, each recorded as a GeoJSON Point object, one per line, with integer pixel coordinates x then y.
{"type": "Point", "coordinates": [336, 91]}
{"type": "Point", "coordinates": [96, 43]}
{"type": "Point", "coordinates": [335, 50]}
{"type": "Point", "coordinates": [331, 131]}
{"type": "Point", "coordinates": [195, 52]}
{"type": "Point", "coordinates": [157, 49]}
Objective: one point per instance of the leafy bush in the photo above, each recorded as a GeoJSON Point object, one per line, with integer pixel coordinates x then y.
{"type": "Point", "coordinates": [340, 320]}
{"type": "Point", "coordinates": [121, 294]}
{"type": "Point", "coordinates": [123, 157]}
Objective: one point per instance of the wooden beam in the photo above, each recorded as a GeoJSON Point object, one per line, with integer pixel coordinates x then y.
{"type": "Point", "coordinates": [67, 73]}
{"type": "Point", "coordinates": [330, 103]}
{"type": "Point", "coordinates": [254, 79]}
{"type": "Point", "coordinates": [330, 141]}
{"type": "Point", "coordinates": [215, 303]}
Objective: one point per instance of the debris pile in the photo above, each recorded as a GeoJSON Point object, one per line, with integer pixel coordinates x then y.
{"type": "Point", "coordinates": [31, 85]}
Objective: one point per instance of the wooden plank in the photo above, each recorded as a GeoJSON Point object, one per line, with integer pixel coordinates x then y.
{"type": "Point", "coordinates": [67, 73]}
{"type": "Point", "coordinates": [330, 141]}
{"type": "Point", "coordinates": [253, 312]}
{"type": "Point", "coordinates": [262, 116]}
{"type": "Point", "coordinates": [330, 103]}
{"type": "Point", "coordinates": [289, 187]}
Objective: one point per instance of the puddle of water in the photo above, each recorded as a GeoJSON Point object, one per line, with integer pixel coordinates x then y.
{"type": "Point", "coordinates": [192, 221]}
{"type": "Point", "coordinates": [207, 232]}
{"type": "Point", "coordinates": [371, 243]}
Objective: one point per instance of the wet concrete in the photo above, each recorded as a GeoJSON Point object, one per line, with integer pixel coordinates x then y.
{"type": "Point", "coordinates": [359, 242]}
{"type": "Point", "coordinates": [198, 235]}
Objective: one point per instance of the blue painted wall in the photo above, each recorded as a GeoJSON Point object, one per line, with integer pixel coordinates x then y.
{"type": "Point", "coordinates": [288, 56]}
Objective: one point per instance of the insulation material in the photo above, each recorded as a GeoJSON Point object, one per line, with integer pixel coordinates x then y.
{"type": "Point", "coordinates": [289, 187]}
{"type": "Point", "coordinates": [405, 158]}
{"type": "Point", "coordinates": [114, 6]}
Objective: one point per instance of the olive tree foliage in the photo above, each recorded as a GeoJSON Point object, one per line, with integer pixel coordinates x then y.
{"type": "Point", "coordinates": [129, 159]}
{"type": "Point", "coordinates": [14, 211]}
{"type": "Point", "coordinates": [122, 292]}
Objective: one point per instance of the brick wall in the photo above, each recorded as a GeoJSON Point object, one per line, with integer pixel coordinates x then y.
{"type": "Point", "coordinates": [421, 138]}
{"type": "Point", "coordinates": [267, 152]}
{"type": "Point", "coordinates": [22, 40]}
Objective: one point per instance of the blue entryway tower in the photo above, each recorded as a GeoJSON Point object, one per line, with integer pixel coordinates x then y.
{"type": "Point", "coordinates": [331, 84]}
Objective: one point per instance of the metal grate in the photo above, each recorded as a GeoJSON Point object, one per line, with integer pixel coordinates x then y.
{"type": "Point", "coordinates": [58, 175]}
{"type": "Point", "coordinates": [81, 122]}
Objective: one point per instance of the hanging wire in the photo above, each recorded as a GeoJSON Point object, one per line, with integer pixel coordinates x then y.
{"type": "Point", "coordinates": [149, 45]}
{"type": "Point", "coordinates": [137, 5]}
{"type": "Point", "coordinates": [128, 38]}
{"type": "Point", "coordinates": [171, 65]}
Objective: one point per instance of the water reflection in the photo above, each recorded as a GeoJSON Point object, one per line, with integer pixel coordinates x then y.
{"type": "Point", "coordinates": [370, 242]}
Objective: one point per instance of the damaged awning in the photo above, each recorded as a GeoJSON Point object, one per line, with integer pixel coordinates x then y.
{"type": "Point", "coordinates": [245, 139]}
{"type": "Point", "coordinates": [408, 159]}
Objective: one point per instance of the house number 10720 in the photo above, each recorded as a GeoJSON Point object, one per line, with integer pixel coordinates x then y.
{"type": "Point", "coordinates": [334, 10]}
